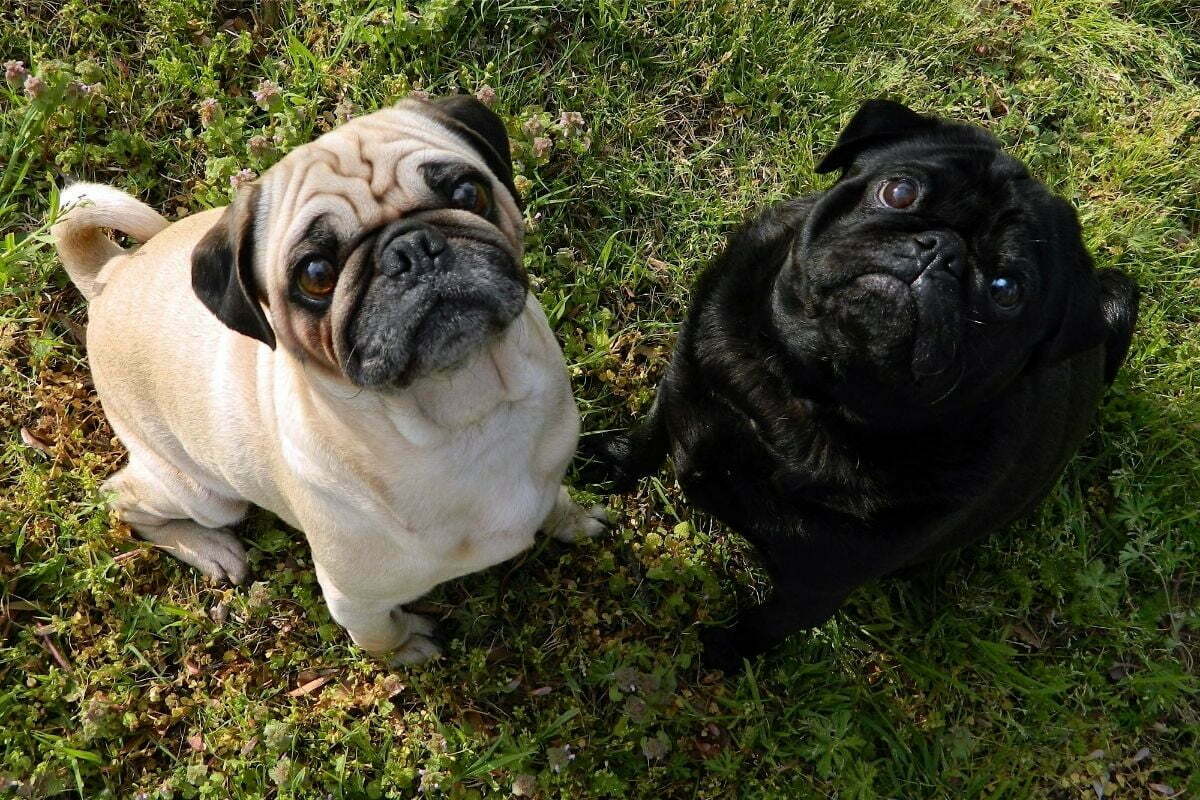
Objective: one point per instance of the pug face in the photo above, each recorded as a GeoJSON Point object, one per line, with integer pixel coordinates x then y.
{"type": "Point", "coordinates": [383, 251]}
{"type": "Point", "coordinates": [933, 272]}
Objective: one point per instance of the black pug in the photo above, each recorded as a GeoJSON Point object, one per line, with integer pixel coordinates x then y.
{"type": "Point", "coordinates": [876, 374]}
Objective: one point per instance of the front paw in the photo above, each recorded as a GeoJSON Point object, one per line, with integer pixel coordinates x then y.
{"type": "Point", "coordinates": [599, 458]}
{"type": "Point", "coordinates": [216, 552]}
{"type": "Point", "coordinates": [570, 522]}
{"type": "Point", "coordinates": [418, 649]}
{"type": "Point", "coordinates": [420, 646]}
{"type": "Point", "coordinates": [720, 651]}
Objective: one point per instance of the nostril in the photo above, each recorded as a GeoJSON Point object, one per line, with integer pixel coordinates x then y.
{"type": "Point", "coordinates": [927, 241]}
{"type": "Point", "coordinates": [433, 243]}
{"type": "Point", "coordinates": [395, 262]}
{"type": "Point", "coordinates": [413, 248]}
{"type": "Point", "coordinates": [939, 252]}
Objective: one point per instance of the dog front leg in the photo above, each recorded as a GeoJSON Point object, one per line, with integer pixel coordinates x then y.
{"type": "Point", "coordinates": [624, 458]}
{"type": "Point", "coordinates": [791, 608]}
{"type": "Point", "coordinates": [1119, 303]}
{"type": "Point", "coordinates": [381, 626]}
{"type": "Point", "coordinates": [813, 571]}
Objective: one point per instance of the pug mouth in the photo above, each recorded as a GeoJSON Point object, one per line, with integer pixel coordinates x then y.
{"type": "Point", "coordinates": [433, 314]}
{"type": "Point", "coordinates": [906, 332]}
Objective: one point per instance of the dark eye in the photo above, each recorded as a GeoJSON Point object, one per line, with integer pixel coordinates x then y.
{"type": "Point", "coordinates": [1006, 292]}
{"type": "Point", "coordinates": [899, 192]}
{"type": "Point", "coordinates": [471, 195]}
{"type": "Point", "coordinates": [317, 278]}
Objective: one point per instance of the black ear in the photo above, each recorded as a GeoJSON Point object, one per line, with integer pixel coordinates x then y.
{"type": "Point", "coordinates": [223, 270]}
{"type": "Point", "coordinates": [876, 122]}
{"type": "Point", "coordinates": [1081, 322]}
{"type": "Point", "coordinates": [1082, 325]}
{"type": "Point", "coordinates": [484, 130]}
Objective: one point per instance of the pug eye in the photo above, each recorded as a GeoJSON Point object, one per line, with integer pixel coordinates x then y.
{"type": "Point", "coordinates": [1006, 292]}
{"type": "Point", "coordinates": [471, 195]}
{"type": "Point", "coordinates": [899, 192]}
{"type": "Point", "coordinates": [317, 278]}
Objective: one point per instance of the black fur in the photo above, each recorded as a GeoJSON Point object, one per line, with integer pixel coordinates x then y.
{"type": "Point", "coordinates": [846, 394]}
{"type": "Point", "coordinates": [876, 122]}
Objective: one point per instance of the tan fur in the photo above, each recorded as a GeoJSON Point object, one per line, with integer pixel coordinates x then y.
{"type": "Point", "coordinates": [395, 491]}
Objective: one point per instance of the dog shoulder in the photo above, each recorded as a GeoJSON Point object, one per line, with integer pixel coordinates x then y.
{"type": "Point", "coordinates": [731, 401]}
{"type": "Point", "coordinates": [759, 241]}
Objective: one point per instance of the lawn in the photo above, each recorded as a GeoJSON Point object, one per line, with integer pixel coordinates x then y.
{"type": "Point", "coordinates": [1059, 660]}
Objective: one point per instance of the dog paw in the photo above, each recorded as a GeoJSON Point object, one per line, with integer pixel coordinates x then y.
{"type": "Point", "coordinates": [420, 646]}
{"type": "Point", "coordinates": [598, 462]}
{"type": "Point", "coordinates": [216, 552]}
{"type": "Point", "coordinates": [417, 650]}
{"type": "Point", "coordinates": [720, 651]}
{"type": "Point", "coordinates": [580, 523]}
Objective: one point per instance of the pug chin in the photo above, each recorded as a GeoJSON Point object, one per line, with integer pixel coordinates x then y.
{"type": "Point", "coordinates": [873, 321]}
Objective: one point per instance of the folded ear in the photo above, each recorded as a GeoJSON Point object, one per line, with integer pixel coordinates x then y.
{"type": "Point", "coordinates": [1081, 321]}
{"type": "Point", "coordinates": [223, 270]}
{"type": "Point", "coordinates": [1081, 325]}
{"type": "Point", "coordinates": [483, 129]}
{"type": "Point", "coordinates": [875, 123]}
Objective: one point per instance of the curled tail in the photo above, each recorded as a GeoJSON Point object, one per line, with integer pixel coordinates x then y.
{"type": "Point", "coordinates": [87, 210]}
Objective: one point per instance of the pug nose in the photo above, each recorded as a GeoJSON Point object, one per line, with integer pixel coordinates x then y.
{"type": "Point", "coordinates": [407, 246]}
{"type": "Point", "coordinates": [940, 249]}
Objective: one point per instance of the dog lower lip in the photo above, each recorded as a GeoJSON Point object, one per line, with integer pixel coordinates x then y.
{"type": "Point", "coordinates": [935, 346]}
{"type": "Point", "coordinates": [399, 378]}
{"type": "Point", "coordinates": [926, 350]}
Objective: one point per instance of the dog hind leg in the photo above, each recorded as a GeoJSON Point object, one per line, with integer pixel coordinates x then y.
{"type": "Point", "coordinates": [157, 515]}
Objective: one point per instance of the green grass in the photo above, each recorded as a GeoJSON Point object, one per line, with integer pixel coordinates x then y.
{"type": "Point", "coordinates": [1057, 661]}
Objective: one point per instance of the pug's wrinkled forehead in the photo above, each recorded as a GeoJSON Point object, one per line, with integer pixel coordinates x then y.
{"type": "Point", "coordinates": [375, 169]}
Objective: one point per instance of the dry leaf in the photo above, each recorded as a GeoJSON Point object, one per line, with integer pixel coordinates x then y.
{"type": "Point", "coordinates": [1120, 669]}
{"type": "Point", "coordinates": [1028, 637]}
{"type": "Point", "coordinates": [311, 686]}
{"type": "Point", "coordinates": [32, 441]}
